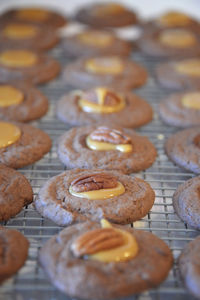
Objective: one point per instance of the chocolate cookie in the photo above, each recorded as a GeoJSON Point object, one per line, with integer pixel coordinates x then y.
{"type": "Point", "coordinates": [14, 251]}
{"type": "Point", "coordinates": [58, 201]}
{"type": "Point", "coordinates": [15, 192]}
{"type": "Point", "coordinates": [19, 35]}
{"type": "Point", "coordinates": [135, 152]}
{"type": "Point", "coordinates": [113, 71]}
{"type": "Point", "coordinates": [106, 15]}
{"type": "Point", "coordinates": [34, 15]}
{"type": "Point", "coordinates": [186, 202]}
{"type": "Point", "coordinates": [21, 144]}
{"type": "Point", "coordinates": [93, 279]}
{"type": "Point", "coordinates": [179, 74]}
{"type": "Point", "coordinates": [28, 65]}
{"type": "Point", "coordinates": [122, 109]}
{"type": "Point", "coordinates": [181, 110]}
{"type": "Point", "coordinates": [95, 42]}
{"type": "Point", "coordinates": [189, 265]}
{"type": "Point", "coordinates": [170, 42]}
{"type": "Point", "coordinates": [21, 102]}
{"type": "Point", "coordinates": [183, 148]}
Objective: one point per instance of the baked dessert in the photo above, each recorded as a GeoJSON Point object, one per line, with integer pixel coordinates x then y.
{"type": "Point", "coordinates": [22, 144]}
{"type": "Point", "coordinates": [189, 266]}
{"type": "Point", "coordinates": [14, 251]}
{"type": "Point", "coordinates": [27, 65]}
{"type": "Point", "coordinates": [80, 195]}
{"type": "Point", "coordinates": [21, 102]}
{"type": "Point", "coordinates": [183, 148]}
{"type": "Point", "coordinates": [106, 15]}
{"type": "Point", "coordinates": [106, 148]}
{"type": "Point", "coordinates": [15, 35]}
{"type": "Point", "coordinates": [112, 71]}
{"type": "Point", "coordinates": [93, 42]}
{"type": "Point", "coordinates": [15, 192]}
{"type": "Point", "coordinates": [103, 105]}
{"type": "Point", "coordinates": [181, 109]}
{"type": "Point", "coordinates": [91, 262]}
{"type": "Point", "coordinates": [180, 74]}
{"type": "Point", "coordinates": [173, 42]}
{"type": "Point", "coordinates": [34, 15]}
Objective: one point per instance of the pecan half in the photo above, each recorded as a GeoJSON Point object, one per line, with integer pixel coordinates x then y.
{"type": "Point", "coordinates": [107, 135]}
{"type": "Point", "coordinates": [97, 240]}
{"type": "Point", "coordinates": [93, 182]}
{"type": "Point", "coordinates": [110, 97]}
{"type": "Point", "coordinates": [196, 141]}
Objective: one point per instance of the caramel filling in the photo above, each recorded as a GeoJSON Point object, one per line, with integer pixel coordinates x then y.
{"type": "Point", "coordinates": [18, 58]}
{"type": "Point", "coordinates": [32, 14]}
{"type": "Point", "coordinates": [191, 100]}
{"type": "Point", "coordinates": [100, 194]}
{"type": "Point", "coordinates": [108, 9]}
{"type": "Point", "coordinates": [10, 96]}
{"type": "Point", "coordinates": [189, 67]}
{"type": "Point", "coordinates": [19, 31]}
{"type": "Point", "coordinates": [9, 134]}
{"type": "Point", "coordinates": [105, 65]}
{"type": "Point", "coordinates": [102, 146]}
{"type": "Point", "coordinates": [177, 38]}
{"type": "Point", "coordinates": [173, 18]}
{"type": "Point", "coordinates": [96, 38]}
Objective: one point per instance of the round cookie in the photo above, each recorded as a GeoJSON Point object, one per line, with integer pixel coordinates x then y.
{"type": "Point", "coordinates": [14, 251]}
{"type": "Point", "coordinates": [133, 112]}
{"type": "Point", "coordinates": [183, 148]}
{"type": "Point", "coordinates": [113, 71]}
{"type": "Point", "coordinates": [92, 279]}
{"type": "Point", "coordinates": [179, 74]}
{"type": "Point", "coordinates": [28, 65]}
{"type": "Point", "coordinates": [94, 43]}
{"type": "Point", "coordinates": [34, 15]}
{"type": "Point", "coordinates": [15, 191]}
{"type": "Point", "coordinates": [22, 144]}
{"type": "Point", "coordinates": [74, 152]}
{"type": "Point", "coordinates": [181, 109]}
{"type": "Point", "coordinates": [106, 15]}
{"type": "Point", "coordinates": [186, 202]}
{"type": "Point", "coordinates": [15, 35]}
{"type": "Point", "coordinates": [21, 102]}
{"type": "Point", "coordinates": [56, 202]}
{"type": "Point", "coordinates": [170, 43]}
{"type": "Point", "coordinates": [189, 266]}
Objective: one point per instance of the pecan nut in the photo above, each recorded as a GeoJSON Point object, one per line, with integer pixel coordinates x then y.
{"type": "Point", "coordinates": [93, 182]}
{"type": "Point", "coordinates": [107, 135]}
{"type": "Point", "coordinates": [196, 141]}
{"type": "Point", "coordinates": [97, 240]}
{"type": "Point", "coordinates": [110, 98]}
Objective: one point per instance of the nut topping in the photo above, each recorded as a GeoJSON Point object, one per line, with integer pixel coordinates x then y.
{"type": "Point", "coordinates": [97, 240]}
{"type": "Point", "coordinates": [197, 140]}
{"type": "Point", "coordinates": [107, 135]}
{"type": "Point", "coordinates": [102, 96]}
{"type": "Point", "coordinates": [93, 182]}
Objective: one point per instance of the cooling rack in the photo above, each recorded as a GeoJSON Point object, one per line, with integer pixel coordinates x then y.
{"type": "Point", "coordinates": [31, 283]}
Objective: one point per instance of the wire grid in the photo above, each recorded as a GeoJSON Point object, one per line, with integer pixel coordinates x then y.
{"type": "Point", "coordinates": [30, 282]}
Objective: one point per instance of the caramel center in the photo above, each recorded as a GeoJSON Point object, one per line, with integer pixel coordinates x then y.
{"type": "Point", "coordinates": [191, 100]}
{"type": "Point", "coordinates": [189, 67]}
{"type": "Point", "coordinates": [173, 18]}
{"type": "Point", "coordinates": [177, 38]}
{"type": "Point", "coordinates": [9, 134]}
{"type": "Point", "coordinates": [10, 96]}
{"type": "Point", "coordinates": [18, 58]}
{"type": "Point", "coordinates": [32, 14]}
{"type": "Point", "coordinates": [19, 31]}
{"type": "Point", "coordinates": [105, 65]}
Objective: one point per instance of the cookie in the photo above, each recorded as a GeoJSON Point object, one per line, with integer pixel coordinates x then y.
{"type": "Point", "coordinates": [189, 266]}
{"type": "Point", "coordinates": [179, 74]}
{"type": "Point", "coordinates": [21, 102]}
{"type": "Point", "coordinates": [89, 278]}
{"type": "Point", "coordinates": [170, 43]}
{"type": "Point", "coordinates": [14, 251]}
{"type": "Point", "coordinates": [34, 15]}
{"type": "Point", "coordinates": [28, 65]}
{"type": "Point", "coordinates": [106, 148]}
{"type": "Point", "coordinates": [108, 194]}
{"type": "Point", "coordinates": [186, 202]}
{"type": "Point", "coordinates": [181, 109]}
{"type": "Point", "coordinates": [15, 191]}
{"type": "Point", "coordinates": [113, 71]}
{"type": "Point", "coordinates": [183, 148]}
{"type": "Point", "coordinates": [22, 144]}
{"type": "Point", "coordinates": [104, 106]}
{"type": "Point", "coordinates": [94, 43]}
{"type": "Point", "coordinates": [15, 35]}
{"type": "Point", "coordinates": [106, 15]}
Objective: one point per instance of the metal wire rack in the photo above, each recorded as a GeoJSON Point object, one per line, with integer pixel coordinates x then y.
{"type": "Point", "coordinates": [30, 282]}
